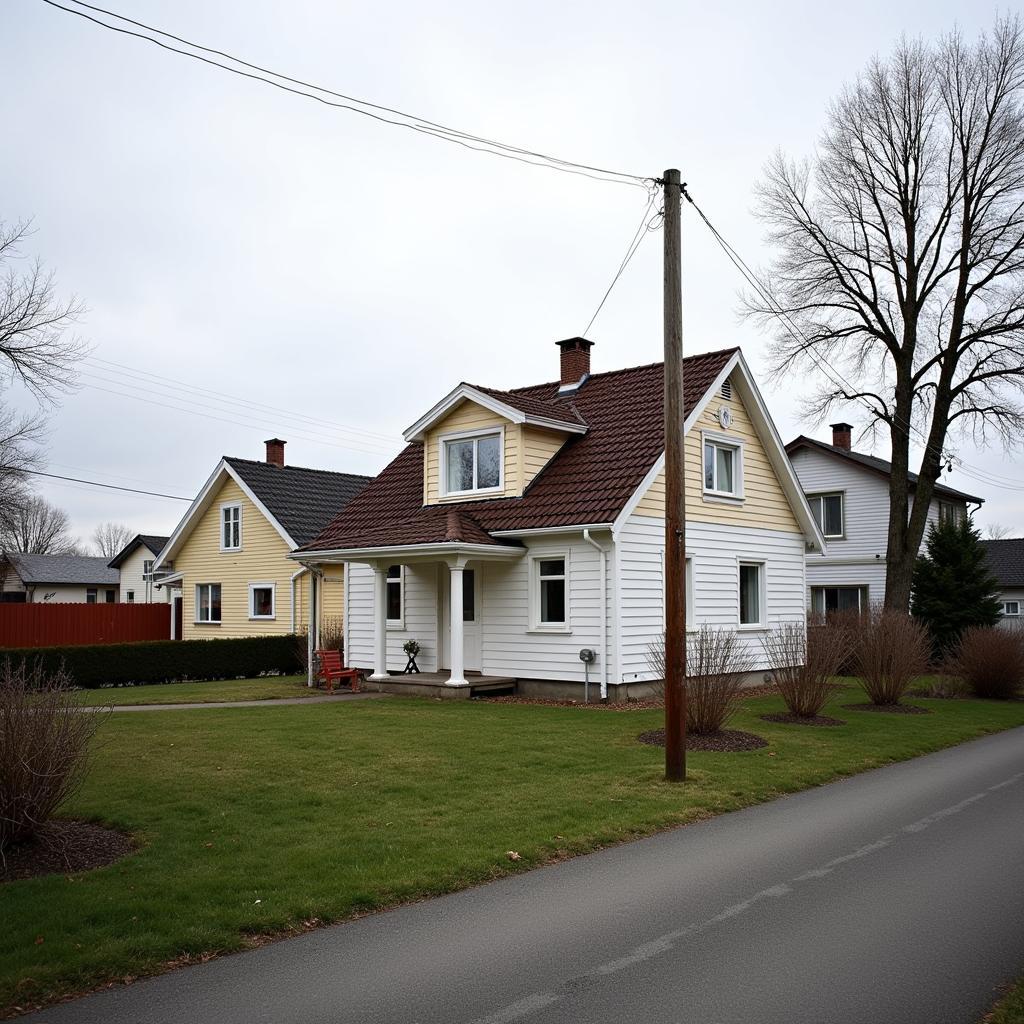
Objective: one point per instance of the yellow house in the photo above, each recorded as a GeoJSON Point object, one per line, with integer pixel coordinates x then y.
{"type": "Point", "coordinates": [228, 561]}
{"type": "Point", "coordinates": [519, 538]}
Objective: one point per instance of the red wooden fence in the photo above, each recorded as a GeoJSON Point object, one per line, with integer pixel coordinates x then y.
{"type": "Point", "coordinates": [53, 625]}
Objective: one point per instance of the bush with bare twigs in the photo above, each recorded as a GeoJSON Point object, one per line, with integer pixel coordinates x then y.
{"type": "Point", "coordinates": [990, 660]}
{"type": "Point", "coordinates": [716, 660]}
{"type": "Point", "coordinates": [803, 661]}
{"type": "Point", "coordinates": [891, 651]}
{"type": "Point", "coordinates": [44, 747]}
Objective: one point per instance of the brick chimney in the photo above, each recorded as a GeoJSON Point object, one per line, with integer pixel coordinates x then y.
{"type": "Point", "coordinates": [841, 435]}
{"type": "Point", "coordinates": [275, 451]}
{"type": "Point", "coordinates": [575, 361]}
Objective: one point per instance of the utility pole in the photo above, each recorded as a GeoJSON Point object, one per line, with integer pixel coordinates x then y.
{"type": "Point", "coordinates": [675, 494]}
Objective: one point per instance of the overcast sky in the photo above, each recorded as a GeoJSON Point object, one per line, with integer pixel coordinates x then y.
{"type": "Point", "coordinates": [275, 252]}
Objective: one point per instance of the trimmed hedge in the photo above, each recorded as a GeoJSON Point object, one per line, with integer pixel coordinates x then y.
{"type": "Point", "coordinates": [165, 661]}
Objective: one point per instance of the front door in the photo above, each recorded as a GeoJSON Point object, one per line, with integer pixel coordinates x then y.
{"type": "Point", "coordinates": [470, 619]}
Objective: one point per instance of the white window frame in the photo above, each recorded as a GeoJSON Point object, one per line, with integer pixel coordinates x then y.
{"type": "Point", "coordinates": [762, 597]}
{"type": "Point", "coordinates": [536, 626]}
{"type": "Point", "coordinates": [1006, 609]}
{"type": "Point", "coordinates": [470, 435]}
{"type": "Point", "coordinates": [262, 585]}
{"type": "Point", "coordinates": [224, 508]}
{"type": "Point", "coordinates": [147, 568]}
{"type": "Point", "coordinates": [92, 595]}
{"type": "Point", "coordinates": [722, 441]}
{"type": "Point", "coordinates": [819, 496]}
{"type": "Point", "coordinates": [195, 611]}
{"type": "Point", "coordinates": [391, 581]}
{"type": "Point", "coordinates": [130, 597]}
{"type": "Point", "coordinates": [862, 595]}
{"type": "Point", "coordinates": [952, 516]}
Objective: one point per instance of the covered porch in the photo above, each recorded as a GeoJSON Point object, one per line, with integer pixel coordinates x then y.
{"type": "Point", "coordinates": [434, 594]}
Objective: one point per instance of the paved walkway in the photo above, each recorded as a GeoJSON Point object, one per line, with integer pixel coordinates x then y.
{"type": "Point", "coordinates": [326, 698]}
{"type": "Point", "coordinates": [893, 896]}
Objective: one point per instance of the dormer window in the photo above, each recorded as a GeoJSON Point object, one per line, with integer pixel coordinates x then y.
{"type": "Point", "coordinates": [472, 463]}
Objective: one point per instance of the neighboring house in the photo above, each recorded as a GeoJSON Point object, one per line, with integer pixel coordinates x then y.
{"type": "Point", "coordinates": [849, 496]}
{"type": "Point", "coordinates": [537, 515]}
{"type": "Point", "coordinates": [231, 574]}
{"type": "Point", "coordinates": [135, 563]}
{"type": "Point", "coordinates": [57, 579]}
{"type": "Point", "coordinates": [1006, 560]}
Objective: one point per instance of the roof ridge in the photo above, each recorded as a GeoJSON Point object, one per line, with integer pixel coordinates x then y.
{"type": "Point", "coordinates": [305, 469]}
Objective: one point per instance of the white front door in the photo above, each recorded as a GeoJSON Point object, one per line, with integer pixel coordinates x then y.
{"type": "Point", "coordinates": [470, 618]}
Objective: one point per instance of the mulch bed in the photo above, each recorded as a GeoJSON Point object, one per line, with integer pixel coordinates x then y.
{"type": "Point", "coordinates": [64, 847]}
{"type": "Point", "coordinates": [787, 718]}
{"type": "Point", "coordinates": [890, 709]}
{"type": "Point", "coordinates": [725, 740]}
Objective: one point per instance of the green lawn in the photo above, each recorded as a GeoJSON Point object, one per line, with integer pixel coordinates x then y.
{"type": "Point", "coordinates": [1009, 1009]}
{"type": "Point", "coordinates": [264, 820]}
{"type": "Point", "coordinates": [266, 688]}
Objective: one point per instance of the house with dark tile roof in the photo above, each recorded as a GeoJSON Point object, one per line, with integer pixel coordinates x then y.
{"type": "Point", "coordinates": [135, 562]}
{"type": "Point", "coordinates": [1006, 560]}
{"type": "Point", "coordinates": [520, 534]}
{"type": "Point", "coordinates": [227, 565]}
{"type": "Point", "coordinates": [848, 492]}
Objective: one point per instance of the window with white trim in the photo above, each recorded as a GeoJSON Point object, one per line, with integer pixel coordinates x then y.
{"type": "Point", "coordinates": [130, 596]}
{"type": "Point", "coordinates": [1011, 608]}
{"type": "Point", "coordinates": [827, 510]}
{"type": "Point", "coordinates": [262, 600]}
{"type": "Point", "coordinates": [723, 468]}
{"type": "Point", "coordinates": [948, 512]}
{"type": "Point", "coordinates": [208, 602]}
{"type": "Point", "coordinates": [90, 595]}
{"type": "Point", "coordinates": [147, 569]}
{"type": "Point", "coordinates": [395, 584]}
{"type": "Point", "coordinates": [838, 599]}
{"type": "Point", "coordinates": [549, 592]}
{"type": "Point", "coordinates": [472, 463]}
{"type": "Point", "coordinates": [231, 527]}
{"type": "Point", "coordinates": [752, 597]}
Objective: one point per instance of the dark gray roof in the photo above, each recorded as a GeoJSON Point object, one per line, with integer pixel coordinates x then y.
{"type": "Point", "coordinates": [302, 500]}
{"type": "Point", "coordinates": [150, 540]}
{"type": "Point", "coordinates": [1006, 560]}
{"type": "Point", "coordinates": [63, 569]}
{"type": "Point", "coordinates": [875, 465]}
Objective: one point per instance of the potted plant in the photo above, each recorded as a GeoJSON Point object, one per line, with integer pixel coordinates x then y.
{"type": "Point", "coordinates": [411, 649]}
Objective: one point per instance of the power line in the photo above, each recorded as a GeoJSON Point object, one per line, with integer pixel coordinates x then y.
{"type": "Point", "coordinates": [411, 122]}
{"type": "Point", "coordinates": [638, 237]}
{"type": "Point", "coordinates": [97, 483]}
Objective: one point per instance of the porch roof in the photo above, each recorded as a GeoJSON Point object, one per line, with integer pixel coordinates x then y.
{"type": "Point", "coordinates": [589, 481]}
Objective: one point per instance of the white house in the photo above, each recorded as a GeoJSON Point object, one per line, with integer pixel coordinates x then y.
{"type": "Point", "coordinates": [1006, 560]}
{"type": "Point", "coordinates": [848, 493]}
{"type": "Point", "coordinates": [522, 527]}
{"type": "Point", "coordinates": [135, 562]}
{"type": "Point", "coordinates": [55, 579]}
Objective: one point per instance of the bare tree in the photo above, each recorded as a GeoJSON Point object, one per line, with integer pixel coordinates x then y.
{"type": "Point", "coordinates": [997, 531]}
{"type": "Point", "coordinates": [900, 261]}
{"type": "Point", "coordinates": [20, 435]}
{"type": "Point", "coordinates": [110, 538]}
{"type": "Point", "coordinates": [36, 527]}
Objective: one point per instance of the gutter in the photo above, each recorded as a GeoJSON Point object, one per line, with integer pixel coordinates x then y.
{"type": "Point", "coordinates": [604, 609]}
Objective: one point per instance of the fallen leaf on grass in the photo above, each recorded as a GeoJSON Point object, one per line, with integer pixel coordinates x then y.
{"type": "Point", "coordinates": [513, 855]}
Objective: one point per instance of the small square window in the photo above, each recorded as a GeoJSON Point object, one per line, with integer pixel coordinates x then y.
{"type": "Point", "coordinates": [1011, 607]}
{"type": "Point", "coordinates": [722, 470]}
{"type": "Point", "coordinates": [551, 591]}
{"type": "Point", "coordinates": [473, 463]}
{"type": "Point", "coordinates": [208, 602]}
{"type": "Point", "coordinates": [828, 513]}
{"type": "Point", "coordinates": [261, 600]}
{"type": "Point", "coordinates": [130, 597]}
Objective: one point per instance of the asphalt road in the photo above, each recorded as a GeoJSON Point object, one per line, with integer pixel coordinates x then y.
{"type": "Point", "coordinates": [895, 897]}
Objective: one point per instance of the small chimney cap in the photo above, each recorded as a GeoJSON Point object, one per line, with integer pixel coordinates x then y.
{"type": "Point", "coordinates": [841, 426]}
{"type": "Point", "coordinates": [571, 343]}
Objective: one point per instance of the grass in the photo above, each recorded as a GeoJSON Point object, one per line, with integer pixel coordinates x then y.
{"type": "Point", "coordinates": [264, 688]}
{"type": "Point", "coordinates": [261, 821]}
{"type": "Point", "coordinates": [1009, 1009]}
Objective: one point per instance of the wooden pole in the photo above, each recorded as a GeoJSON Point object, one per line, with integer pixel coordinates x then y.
{"type": "Point", "coordinates": [675, 494]}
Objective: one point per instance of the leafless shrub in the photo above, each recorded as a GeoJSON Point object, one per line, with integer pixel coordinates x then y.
{"type": "Point", "coordinates": [44, 746]}
{"type": "Point", "coordinates": [990, 660]}
{"type": "Point", "coordinates": [803, 662]}
{"type": "Point", "coordinates": [716, 660]}
{"type": "Point", "coordinates": [332, 634]}
{"type": "Point", "coordinates": [891, 650]}
{"type": "Point", "coordinates": [845, 626]}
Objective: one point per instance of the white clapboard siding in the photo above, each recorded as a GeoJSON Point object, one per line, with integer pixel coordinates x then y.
{"type": "Point", "coordinates": [715, 551]}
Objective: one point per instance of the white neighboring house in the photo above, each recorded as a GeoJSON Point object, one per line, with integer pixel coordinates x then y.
{"type": "Point", "coordinates": [57, 579]}
{"type": "Point", "coordinates": [1006, 560]}
{"type": "Point", "coordinates": [849, 496]}
{"type": "Point", "coordinates": [135, 562]}
{"type": "Point", "coordinates": [523, 528]}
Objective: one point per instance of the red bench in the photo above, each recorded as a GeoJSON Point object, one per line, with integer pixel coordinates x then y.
{"type": "Point", "coordinates": [332, 670]}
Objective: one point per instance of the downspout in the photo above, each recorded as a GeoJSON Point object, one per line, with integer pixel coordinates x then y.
{"type": "Point", "coordinates": [295, 576]}
{"type": "Point", "coordinates": [604, 610]}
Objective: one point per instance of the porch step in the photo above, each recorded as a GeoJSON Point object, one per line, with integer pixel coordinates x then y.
{"type": "Point", "coordinates": [433, 684]}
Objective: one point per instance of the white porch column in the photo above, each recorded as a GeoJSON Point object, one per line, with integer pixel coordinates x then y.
{"type": "Point", "coordinates": [457, 654]}
{"type": "Point", "coordinates": [311, 627]}
{"type": "Point", "coordinates": [380, 622]}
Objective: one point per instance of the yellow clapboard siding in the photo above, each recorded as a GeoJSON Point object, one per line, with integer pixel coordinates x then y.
{"type": "Point", "coordinates": [539, 447]}
{"type": "Point", "coordinates": [764, 505]}
{"type": "Point", "coordinates": [262, 559]}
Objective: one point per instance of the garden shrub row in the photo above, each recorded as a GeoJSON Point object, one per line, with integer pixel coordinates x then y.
{"type": "Point", "coordinates": [165, 661]}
